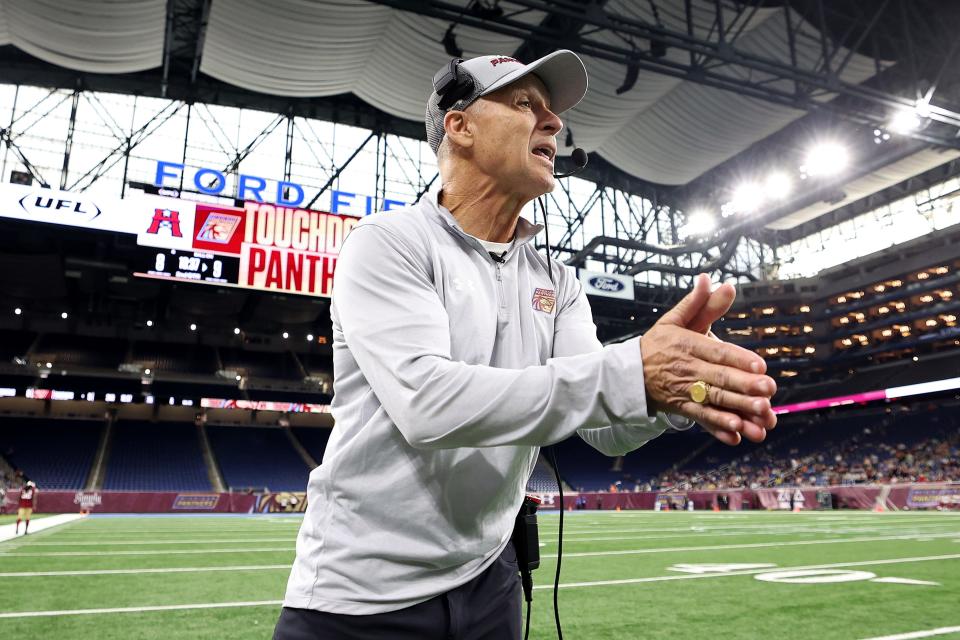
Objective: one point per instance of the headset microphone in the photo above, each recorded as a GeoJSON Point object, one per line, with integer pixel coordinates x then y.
{"type": "Point", "coordinates": [580, 160]}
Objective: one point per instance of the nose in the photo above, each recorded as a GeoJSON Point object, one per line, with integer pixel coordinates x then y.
{"type": "Point", "coordinates": [551, 122]}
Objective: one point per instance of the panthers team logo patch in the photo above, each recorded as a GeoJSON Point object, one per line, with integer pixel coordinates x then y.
{"type": "Point", "coordinates": [544, 300]}
{"type": "Point", "coordinates": [219, 228]}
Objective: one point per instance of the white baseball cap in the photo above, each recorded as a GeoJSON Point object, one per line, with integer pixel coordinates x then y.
{"type": "Point", "coordinates": [562, 72]}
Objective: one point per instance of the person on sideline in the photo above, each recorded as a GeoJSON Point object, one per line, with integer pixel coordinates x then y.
{"type": "Point", "coordinates": [459, 350]}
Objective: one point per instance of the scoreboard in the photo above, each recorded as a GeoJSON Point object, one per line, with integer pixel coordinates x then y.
{"type": "Point", "coordinates": [258, 246]}
{"type": "Point", "coordinates": [190, 266]}
{"type": "Point", "coordinates": [261, 246]}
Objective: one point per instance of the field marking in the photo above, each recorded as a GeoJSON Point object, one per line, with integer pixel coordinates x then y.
{"type": "Point", "coordinates": [701, 534]}
{"type": "Point", "coordinates": [157, 552]}
{"type": "Point", "coordinates": [40, 524]}
{"type": "Point", "coordinates": [919, 634]}
{"type": "Point", "coordinates": [168, 607]}
{"type": "Point", "coordinates": [749, 572]}
{"type": "Point", "coordinates": [264, 603]}
{"type": "Point", "coordinates": [110, 572]}
{"type": "Point", "coordinates": [747, 528]}
{"type": "Point", "coordinates": [753, 545]}
{"type": "Point", "coordinates": [102, 543]}
{"type": "Point", "coordinates": [750, 545]}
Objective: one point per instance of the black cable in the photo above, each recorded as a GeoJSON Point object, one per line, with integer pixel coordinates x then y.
{"type": "Point", "coordinates": [546, 232]}
{"type": "Point", "coordinates": [526, 633]}
{"type": "Point", "coordinates": [556, 578]}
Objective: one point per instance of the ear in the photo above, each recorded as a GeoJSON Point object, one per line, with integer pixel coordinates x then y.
{"type": "Point", "coordinates": [456, 126]}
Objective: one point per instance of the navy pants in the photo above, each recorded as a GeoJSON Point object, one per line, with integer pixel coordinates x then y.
{"type": "Point", "coordinates": [486, 608]}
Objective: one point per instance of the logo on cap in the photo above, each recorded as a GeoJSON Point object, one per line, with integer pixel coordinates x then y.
{"type": "Point", "coordinates": [503, 59]}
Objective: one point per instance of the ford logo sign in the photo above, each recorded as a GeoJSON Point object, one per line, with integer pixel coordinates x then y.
{"type": "Point", "coordinates": [605, 283]}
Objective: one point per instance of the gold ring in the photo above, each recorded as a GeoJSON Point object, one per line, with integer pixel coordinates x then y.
{"type": "Point", "coordinates": [699, 391]}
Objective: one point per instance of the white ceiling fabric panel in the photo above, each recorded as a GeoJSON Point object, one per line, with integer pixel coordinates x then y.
{"type": "Point", "coordinates": [669, 131]}
{"type": "Point", "coordinates": [664, 129]}
{"type": "Point", "coordinates": [99, 36]}
{"type": "Point", "coordinates": [304, 48]}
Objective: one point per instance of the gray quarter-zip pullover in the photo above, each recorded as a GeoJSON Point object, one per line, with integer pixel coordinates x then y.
{"type": "Point", "coordinates": [450, 371]}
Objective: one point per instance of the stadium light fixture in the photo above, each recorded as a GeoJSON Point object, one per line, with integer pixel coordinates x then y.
{"type": "Point", "coordinates": [193, 326]}
{"type": "Point", "coordinates": [236, 331]}
{"type": "Point", "coordinates": [149, 323]}
{"type": "Point", "coordinates": [699, 223]}
{"type": "Point", "coordinates": [17, 311]}
{"type": "Point", "coordinates": [64, 315]}
{"type": "Point", "coordinates": [285, 335]}
{"type": "Point", "coordinates": [906, 120]}
{"type": "Point", "coordinates": [778, 186]}
{"type": "Point", "coordinates": [146, 372]}
{"type": "Point", "coordinates": [238, 378]}
{"type": "Point", "coordinates": [825, 159]}
{"type": "Point", "coordinates": [747, 197]}
{"type": "Point", "coordinates": [49, 365]}
{"type": "Point", "coordinates": [309, 337]}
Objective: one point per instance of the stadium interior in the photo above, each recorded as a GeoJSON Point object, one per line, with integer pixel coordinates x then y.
{"type": "Point", "coordinates": [806, 151]}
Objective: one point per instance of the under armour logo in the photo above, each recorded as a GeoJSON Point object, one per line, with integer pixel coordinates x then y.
{"type": "Point", "coordinates": [459, 284]}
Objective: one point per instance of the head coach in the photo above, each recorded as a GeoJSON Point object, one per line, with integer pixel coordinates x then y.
{"type": "Point", "coordinates": [459, 351]}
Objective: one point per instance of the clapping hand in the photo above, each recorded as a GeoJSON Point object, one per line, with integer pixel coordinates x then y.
{"type": "Point", "coordinates": [682, 356]}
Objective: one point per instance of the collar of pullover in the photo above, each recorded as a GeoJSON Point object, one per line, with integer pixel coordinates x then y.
{"type": "Point", "coordinates": [525, 232]}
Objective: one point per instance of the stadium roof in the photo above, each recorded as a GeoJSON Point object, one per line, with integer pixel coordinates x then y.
{"type": "Point", "coordinates": [684, 98]}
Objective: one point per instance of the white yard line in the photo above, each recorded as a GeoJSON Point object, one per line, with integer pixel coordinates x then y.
{"type": "Point", "coordinates": [112, 572]}
{"type": "Point", "coordinates": [168, 607]}
{"type": "Point", "coordinates": [919, 634]}
{"type": "Point", "coordinates": [750, 572]}
{"type": "Point", "coordinates": [36, 525]}
{"type": "Point", "coordinates": [575, 537]}
{"type": "Point", "coordinates": [743, 527]}
{"type": "Point", "coordinates": [158, 552]}
{"type": "Point", "coordinates": [263, 603]}
{"type": "Point", "coordinates": [103, 543]}
{"type": "Point", "coordinates": [751, 545]}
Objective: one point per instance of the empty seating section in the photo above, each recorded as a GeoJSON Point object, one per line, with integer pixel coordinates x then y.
{"type": "Point", "coordinates": [317, 363]}
{"type": "Point", "coordinates": [155, 457]}
{"type": "Point", "coordinates": [313, 439]}
{"type": "Point", "coordinates": [261, 364]}
{"type": "Point", "coordinates": [583, 467]}
{"type": "Point", "coordinates": [15, 343]}
{"type": "Point", "coordinates": [82, 351]}
{"type": "Point", "coordinates": [542, 479]}
{"type": "Point", "coordinates": [56, 454]}
{"type": "Point", "coordinates": [176, 358]}
{"type": "Point", "coordinates": [258, 457]}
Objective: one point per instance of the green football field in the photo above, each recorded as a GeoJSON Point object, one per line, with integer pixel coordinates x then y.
{"type": "Point", "coordinates": [819, 575]}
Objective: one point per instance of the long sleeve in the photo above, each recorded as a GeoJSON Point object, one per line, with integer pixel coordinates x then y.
{"type": "Point", "coordinates": [576, 333]}
{"type": "Point", "coordinates": [397, 329]}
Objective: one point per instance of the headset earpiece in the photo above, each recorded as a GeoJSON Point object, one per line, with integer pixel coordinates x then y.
{"type": "Point", "coordinates": [451, 84]}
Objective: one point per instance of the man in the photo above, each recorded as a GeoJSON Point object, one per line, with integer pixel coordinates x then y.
{"type": "Point", "coordinates": [28, 502]}
{"type": "Point", "coordinates": [459, 350]}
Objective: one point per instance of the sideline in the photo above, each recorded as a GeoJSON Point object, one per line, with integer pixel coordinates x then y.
{"type": "Point", "coordinates": [7, 530]}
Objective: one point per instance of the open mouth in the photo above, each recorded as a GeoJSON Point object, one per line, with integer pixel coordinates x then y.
{"type": "Point", "coordinates": [544, 152]}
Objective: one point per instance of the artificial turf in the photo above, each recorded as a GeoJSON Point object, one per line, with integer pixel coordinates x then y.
{"type": "Point", "coordinates": [639, 551]}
